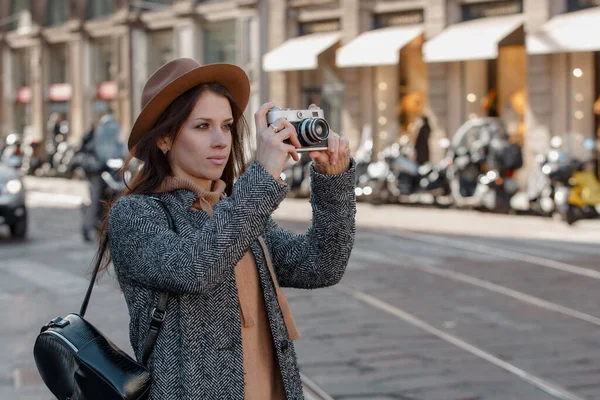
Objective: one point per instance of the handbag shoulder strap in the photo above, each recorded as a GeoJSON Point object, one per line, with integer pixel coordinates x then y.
{"type": "Point", "coordinates": [158, 313]}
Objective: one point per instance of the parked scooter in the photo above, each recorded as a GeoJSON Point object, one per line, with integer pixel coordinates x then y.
{"type": "Point", "coordinates": [564, 185]}
{"type": "Point", "coordinates": [578, 196]}
{"type": "Point", "coordinates": [552, 168]}
{"type": "Point", "coordinates": [12, 154]}
{"type": "Point", "coordinates": [483, 164]}
{"type": "Point", "coordinates": [581, 198]}
{"type": "Point", "coordinates": [414, 179]}
{"type": "Point", "coordinates": [31, 160]}
{"type": "Point", "coordinates": [113, 185]}
{"type": "Point", "coordinates": [376, 183]}
{"type": "Point", "coordinates": [297, 175]}
{"type": "Point", "coordinates": [395, 176]}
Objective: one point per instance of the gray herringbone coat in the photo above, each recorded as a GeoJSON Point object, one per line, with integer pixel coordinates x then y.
{"type": "Point", "coordinates": [198, 354]}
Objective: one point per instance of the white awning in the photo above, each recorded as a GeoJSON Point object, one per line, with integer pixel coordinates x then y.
{"type": "Point", "coordinates": [300, 53]}
{"type": "Point", "coordinates": [567, 33]}
{"type": "Point", "coordinates": [377, 47]}
{"type": "Point", "coordinates": [471, 40]}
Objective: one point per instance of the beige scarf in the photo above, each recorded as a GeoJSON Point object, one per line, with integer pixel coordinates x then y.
{"type": "Point", "coordinates": [206, 201]}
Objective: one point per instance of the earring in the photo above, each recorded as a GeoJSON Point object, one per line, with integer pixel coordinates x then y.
{"type": "Point", "coordinates": [165, 151]}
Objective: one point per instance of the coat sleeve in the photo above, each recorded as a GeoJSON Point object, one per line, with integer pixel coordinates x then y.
{"type": "Point", "coordinates": [147, 253]}
{"type": "Point", "coordinates": [318, 258]}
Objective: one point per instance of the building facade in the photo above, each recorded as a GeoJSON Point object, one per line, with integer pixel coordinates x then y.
{"type": "Point", "coordinates": [374, 66]}
{"type": "Point", "coordinates": [377, 65]}
{"type": "Point", "coordinates": [80, 58]}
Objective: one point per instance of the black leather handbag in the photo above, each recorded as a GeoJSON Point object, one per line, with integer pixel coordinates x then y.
{"type": "Point", "coordinates": [76, 361]}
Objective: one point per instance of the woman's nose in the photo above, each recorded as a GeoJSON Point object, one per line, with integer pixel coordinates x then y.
{"type": "Point", "coordinates": [219, 138]}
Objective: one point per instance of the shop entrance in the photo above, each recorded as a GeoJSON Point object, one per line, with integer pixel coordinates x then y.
{"type": "Point", "coordinates": [330, 98]}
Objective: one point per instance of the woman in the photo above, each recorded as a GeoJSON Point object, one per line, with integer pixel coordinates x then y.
{"type": "Point", "coordinates": [228, 329]}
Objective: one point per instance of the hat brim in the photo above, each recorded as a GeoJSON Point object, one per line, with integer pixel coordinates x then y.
{"type": "Point", "coordinates": [232, 77]}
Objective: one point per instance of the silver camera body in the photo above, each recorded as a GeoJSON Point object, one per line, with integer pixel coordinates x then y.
{"type": "Point", "coordinates": [311, 126]}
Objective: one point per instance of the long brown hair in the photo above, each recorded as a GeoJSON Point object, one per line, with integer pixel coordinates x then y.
{"type": "Point", "coordinates": [155, 166]}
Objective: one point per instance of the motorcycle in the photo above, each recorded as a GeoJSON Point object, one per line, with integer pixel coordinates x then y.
{"type": "Point", "coordinates": [12, 154]}
{"type": "Point", "coordinates": [31, 159]}
{"type": "Point", "coordinates": [367, 173]}
{"type": "Point", "coordinates": [541, 188]}
{"type": "Point", "coordinates": [578, 200]}
{"type": "Point", "coordinates": [414, 179]}
{"type": "Point", "coordinates": [482, 166]}
{"type": "Point", "coordinates": [395, 176]}
{"type": "Point", "coordinates": [297, 175]}
{"type": "Point", "coordinates": [113, 184]}
{"type": "Point", "coordinates": [564, 185]}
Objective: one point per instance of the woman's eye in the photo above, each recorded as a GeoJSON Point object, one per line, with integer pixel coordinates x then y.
{"type": "Point", "coordinates": [229, 127]}
{"type": "Point", "coordinates": [202, 126]}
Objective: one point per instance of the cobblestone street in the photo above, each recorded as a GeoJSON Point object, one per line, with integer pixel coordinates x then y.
{"type": "Point", "coordinates": [436, 304]}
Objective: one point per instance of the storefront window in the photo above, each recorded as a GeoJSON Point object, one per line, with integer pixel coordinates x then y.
{"type": "Point", "coordinates": [59, 64]}
{"type": "Point", "coordinates": [486, 9]}
{"type": "Point", "coordinates": [582, 96]}
{"type": "Point", "coordinates": [21, 67]}
{"type": "Point", "coordinates": [149, 5]}
{"type": "Point", "coordinates": [21, 73]}
{"type": "Point", "coordinates": [103, 75]}
{"type": "Point", "coordinates": [220, 43]}
{"type": "Point", "coordinates": [576, 5]}
{"type": "Point", "coordinates": [99, 8]}
{"type": "Point", "coordinates": [412, 87]}
{"type": "Point", "coordinates": [160, 46]}
{"type": "Point", "coordinates": [20, 14]}
{"type": "Point", "coordinates": [160, 2]}
{"type": "Point", "coordinates": [102, 58]}
{"type": "Point", "coordinates": [57, 12]}
{"type": "Point", "coordinates": [497, 88]}
{"type": "Point", "coordinates": [324, 88]}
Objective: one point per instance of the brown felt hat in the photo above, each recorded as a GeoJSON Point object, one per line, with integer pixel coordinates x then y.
{"type": "Point", "coordinates": [175, 78]}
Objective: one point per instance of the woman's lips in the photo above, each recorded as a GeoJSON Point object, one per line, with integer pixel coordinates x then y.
{"type": "Point", "coordinates": [218, 160]}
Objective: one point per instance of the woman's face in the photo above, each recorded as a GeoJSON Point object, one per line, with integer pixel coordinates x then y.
{"type": "Point", "coordinates": [202, 147]}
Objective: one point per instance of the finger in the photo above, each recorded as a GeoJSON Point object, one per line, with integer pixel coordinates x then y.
{"type": "Point", "coordinates": [289, 132]}
{"type": "Point", "coordinates": [278, 125]}
{"type": "Point", "coordinates": [344, 146]}
{"type": "Point", "coordinates": [318, 155]}
{"type": "Point", "coordinates": [260, 117]}
{"type": "Point", "coordinates": [333, 144]}
{"type": "Point", "coordinates": [313, 105]}
{"type": "Point", "coordinates": [292, 152]}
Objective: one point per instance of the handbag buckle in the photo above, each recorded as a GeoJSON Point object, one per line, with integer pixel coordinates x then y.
{"type": "Point", "coordinates": [58, 322]}
{"type": "Point", "coordinates": [158, 315]}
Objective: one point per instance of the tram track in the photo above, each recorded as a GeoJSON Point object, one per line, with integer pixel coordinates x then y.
{"type": "Point", "coordinates": [312, 391]}
{"type": "Point", "coordinates": [498, 252]}
{"type": "Point", "coordinates": [548, 386]}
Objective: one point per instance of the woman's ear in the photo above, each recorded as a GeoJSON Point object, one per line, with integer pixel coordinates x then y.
{"type": "Point", "coordinates": [164, 143]}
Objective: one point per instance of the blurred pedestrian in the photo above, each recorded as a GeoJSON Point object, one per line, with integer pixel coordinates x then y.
{"type": "Point", "coordinates": [422, 141]}
{"type": "Point", "coordinates": [228, 329]}
{"type": "Point", "coordinates": [99, 144]}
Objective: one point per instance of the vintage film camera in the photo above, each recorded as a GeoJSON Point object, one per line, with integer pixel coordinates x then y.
{"type": "Point", "coordinates": [312, 128]}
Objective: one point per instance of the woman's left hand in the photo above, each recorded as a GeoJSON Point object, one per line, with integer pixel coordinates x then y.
{"type": "Point", "coordinates": [338, 151]}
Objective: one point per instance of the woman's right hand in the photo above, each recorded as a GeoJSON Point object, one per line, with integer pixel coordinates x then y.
{"type": "Point", "coordinates": [271, 151]}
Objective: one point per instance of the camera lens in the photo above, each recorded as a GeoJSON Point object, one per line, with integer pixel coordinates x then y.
{"type": "Point", "coordinates": [312, 131]}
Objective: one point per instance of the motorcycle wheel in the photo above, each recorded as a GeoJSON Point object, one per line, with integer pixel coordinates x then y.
{"type": "Point", "coordinates": [570, 215]}
{"type": "Point", "coordinates": [502, 202]}
{"type": "Point", "coordinates": [18, 230]}
{"type": "Point", "coordinates": [405, 184]}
